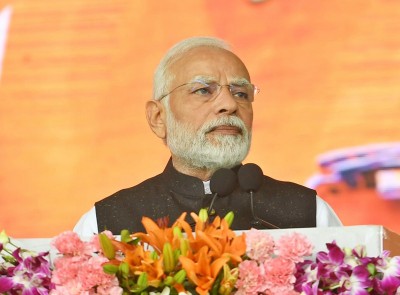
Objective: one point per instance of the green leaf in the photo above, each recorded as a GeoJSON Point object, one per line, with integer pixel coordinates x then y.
{"type": "Point", "coordinates": [107, 246]}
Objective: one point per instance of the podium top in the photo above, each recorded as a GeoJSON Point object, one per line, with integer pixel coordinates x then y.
{"type": "Point", "coordinates": [376, 238]}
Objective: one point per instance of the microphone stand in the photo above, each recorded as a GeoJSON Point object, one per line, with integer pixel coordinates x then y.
{"type": "Point", "coordinates": [212, 204]}
{"type": "Point", "coordinates": [209, 210]}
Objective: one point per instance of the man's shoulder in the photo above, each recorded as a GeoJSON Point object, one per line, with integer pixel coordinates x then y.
{"type": "Point", "coordinates": [145, 189]}
{"type": "Point", "coordinates": [273, 183]}
{"type": "Point", "coordinates": [278, 182]}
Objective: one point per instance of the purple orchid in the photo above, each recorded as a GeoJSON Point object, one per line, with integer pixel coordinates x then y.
{"type": "Point", "coordinates": [348, 272]}
{"type": "Point", "coordinates": [27, 274]}
{"type": "Point", "coordinates": [389, 273]}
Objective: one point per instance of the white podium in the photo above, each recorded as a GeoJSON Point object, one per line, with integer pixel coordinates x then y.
{"type": "Point", "coordinates": [376, 238]}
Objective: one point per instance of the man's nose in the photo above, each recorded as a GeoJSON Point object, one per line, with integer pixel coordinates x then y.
{"type": "Point", "coordinates": [225, 103]}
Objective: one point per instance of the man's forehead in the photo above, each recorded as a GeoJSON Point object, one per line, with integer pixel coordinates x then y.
{"type": "Point", "coordinates": [209, 64]}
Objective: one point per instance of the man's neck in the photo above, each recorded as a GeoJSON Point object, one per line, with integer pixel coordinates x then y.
{"type": "Point", "coordinates": [201, 173]}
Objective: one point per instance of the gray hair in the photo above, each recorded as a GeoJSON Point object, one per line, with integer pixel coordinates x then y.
{"type": "Point", "coordinates": [162, 77]}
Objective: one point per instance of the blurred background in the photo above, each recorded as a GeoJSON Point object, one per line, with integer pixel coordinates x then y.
{"type": "Point", "coordinates": [75, 75]}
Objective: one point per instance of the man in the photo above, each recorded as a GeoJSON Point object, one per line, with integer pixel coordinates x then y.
{"type": "Point", "coordinates": [202, 110]}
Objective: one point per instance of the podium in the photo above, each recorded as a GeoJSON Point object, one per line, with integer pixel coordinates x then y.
{"type": "Point", "coordinates": [376, 238]}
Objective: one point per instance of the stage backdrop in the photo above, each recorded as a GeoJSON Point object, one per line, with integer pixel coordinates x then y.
{"type": "Point", "coordinates": [75, 75]}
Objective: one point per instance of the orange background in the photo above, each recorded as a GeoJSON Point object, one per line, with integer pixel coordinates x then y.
{"type": "Point", "coordinates": [76, 75]}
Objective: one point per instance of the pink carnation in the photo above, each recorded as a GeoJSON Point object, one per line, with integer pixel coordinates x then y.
{"type": "Point", "coordinates": [72, 287]}
{"type": "Point", "coordinates": [250, 279]}
{"type": "Point", "coordinates": [279, 275]}
{"type": "Point", "coordinates": [113, 289]}
{"type": "Point", "coordinates": [79, 271]}
{"type": "Point", "coordinates": [260, 245]}
{"type": "Point", "coordinates": [68, 243]}
{"type": "Point", "coordinates": [91, 274]}
{"type": "Point", "coordinates": [66, 269]}
{"type": "Point", "coordinates": [294, 247]}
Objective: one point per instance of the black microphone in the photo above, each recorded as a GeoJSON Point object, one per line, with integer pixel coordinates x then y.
{"type": "Point", "coordinates": [222, 183]}
{"type": "Point", "coordinates": [250, 180]}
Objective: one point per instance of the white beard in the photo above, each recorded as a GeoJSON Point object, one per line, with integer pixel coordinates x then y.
{"type": "Point", "coordinates": [198, 151]}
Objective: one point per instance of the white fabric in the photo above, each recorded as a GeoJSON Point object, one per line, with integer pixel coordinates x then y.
{"type": "Point", "coordinates": [326, 217]}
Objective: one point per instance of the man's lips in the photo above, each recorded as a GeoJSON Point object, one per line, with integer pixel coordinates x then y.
{"type": "Point", "coordinates": [226, 129]}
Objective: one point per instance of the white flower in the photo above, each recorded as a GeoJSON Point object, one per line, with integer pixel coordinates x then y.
{"type": "Point", "coordinates": [166, 291]}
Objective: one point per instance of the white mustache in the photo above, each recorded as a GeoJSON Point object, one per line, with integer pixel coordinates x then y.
{"type": "Point", "coordinates": [223, 121]}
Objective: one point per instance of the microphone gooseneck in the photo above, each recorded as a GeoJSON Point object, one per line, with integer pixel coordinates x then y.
{"type": "Point", "coordinates": [250, 178]}
{"type": "Point", "coordinates": [222, 183]}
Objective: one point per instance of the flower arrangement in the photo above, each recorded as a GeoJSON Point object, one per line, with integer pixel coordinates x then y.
{"type": "Point", "coordinates": [270, 266]}
{"type": "Point", "coordinates": [349, 271]}
{"type": "Point", "coordinates": [79, 267]}
{"type": "Point", "coordinates": [205, 258]}
{"type": "Point", "coordinates": [22, 271]}
{"type": "Point", "coordinates": [177, 259]}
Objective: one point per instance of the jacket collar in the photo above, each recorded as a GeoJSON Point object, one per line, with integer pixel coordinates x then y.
{"type": "Point", "coordinates": [185, 184]}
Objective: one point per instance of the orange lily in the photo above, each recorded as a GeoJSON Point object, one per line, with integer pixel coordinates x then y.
{"type": "Point", "coordinates": [213, 246]}
{"type": "Point", "coordinates": [202, 255]}
{"type": "Point", "coordinates": [221, 240]}
{"type": "Point", "coordinates": [140, 260]}
{"type": "Point", "coordinates": [202, 271]}
{"type": "Point", "coordinates": [156, 236]}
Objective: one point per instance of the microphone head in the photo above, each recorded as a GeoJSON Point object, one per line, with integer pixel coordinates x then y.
{"type": "Point", "coordinates": [250, 177]}
{"type": "Point", "coordinates": [223, 182]}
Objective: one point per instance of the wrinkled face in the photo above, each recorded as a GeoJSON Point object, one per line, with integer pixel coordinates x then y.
{"type": "Point", "coordinates": [209, 127]}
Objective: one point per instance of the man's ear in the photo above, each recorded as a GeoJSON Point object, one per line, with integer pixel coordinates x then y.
{"type": "Point", "coordinates": [155, 114]}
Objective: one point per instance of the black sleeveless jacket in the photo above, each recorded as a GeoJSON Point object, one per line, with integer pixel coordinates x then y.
{"type": "Point", "coordinates": [283, 204]}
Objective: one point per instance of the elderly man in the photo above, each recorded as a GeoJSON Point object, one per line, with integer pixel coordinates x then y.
{"type": "Point", "coordinates": [202, 110]}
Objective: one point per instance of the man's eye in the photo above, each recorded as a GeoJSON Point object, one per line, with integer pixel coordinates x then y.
{"type": "Point", "coordinates": [240, 92]}
{"type": "Point", "coordinates": [241, 95]}
{"type": "Point", "coordinates": [203, 91]}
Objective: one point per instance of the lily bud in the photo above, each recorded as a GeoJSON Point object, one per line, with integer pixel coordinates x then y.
{"type": "Point", "coordinates": [184, 246]}
{"type": "Point", "coordinates": [177, 253]}
{"type": "Point", "coordinates": [107, 246]}
{"type": "Point", "coordinates": [229, 217]}
{"type": "Point", "coordinates": [142, 280]}
{"type": "Point", "coordinates": [177, 232]}
{"type": "Point", "coordinates": [203, 215]}
{"type": "Point", "coordinates": [180, 276]}
{"type": "Point", "coordinates": [169, 260]}
{"type": "Point", "coordinates": [228, 281]}
{"type": "Point", "coordinates": [169, 281]}
{"type": "Point", "coordinates": [125, 236]}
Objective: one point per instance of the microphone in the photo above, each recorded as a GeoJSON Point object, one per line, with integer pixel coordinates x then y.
{"type": "Point", "coordinates": [250, 180]}
{"type": "Point", "coordinates": [222, 183]}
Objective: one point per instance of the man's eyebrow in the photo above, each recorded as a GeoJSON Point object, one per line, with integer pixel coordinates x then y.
{"type": "Point", "coordinates": [203, 79]}
{"type": "Point", "coordinates": [240, 81]}
{"type": "Point", "coordinates": [209, 79]}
